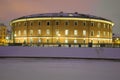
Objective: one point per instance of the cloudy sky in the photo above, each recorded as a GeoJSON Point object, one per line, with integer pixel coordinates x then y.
{"type": "Point", "coordinates": [11, 9]}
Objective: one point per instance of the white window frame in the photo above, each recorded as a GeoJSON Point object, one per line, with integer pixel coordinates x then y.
{"type": "Point", "coordinates": [75, 32]}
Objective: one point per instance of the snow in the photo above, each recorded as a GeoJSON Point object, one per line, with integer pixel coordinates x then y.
{"type": "Point", "coordinates": [61, 52]}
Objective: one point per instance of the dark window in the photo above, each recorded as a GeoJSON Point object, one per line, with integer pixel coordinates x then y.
{"type": "Point", "coordinates": [48, 23]}
{"type": "Point", "coordinates": [57, 23]}
{"type": "Point", "coordinates": [75, 23]}
{"type": "Point", "coordinates": [39, 23]}
{"type": "Point", "coordinates": [66, 23]}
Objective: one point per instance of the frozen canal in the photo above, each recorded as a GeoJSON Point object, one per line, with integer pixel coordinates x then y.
{"type": "Point", "coordinates": [58, 69]}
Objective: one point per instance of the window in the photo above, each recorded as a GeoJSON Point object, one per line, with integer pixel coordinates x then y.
{"type": "Point", "coordinates": [31, 32]}
{"type": "Point", "coordinates": [39, 23]}
{"type": "Point", "coordinates": [92, 33]}
{"type": "Point", "coordinates": [57, 32]}
{"type": "Point", "coordinates": [66, 23]}
{"type": "Point", "coordinates": [39, 40]}
{"type": "Point", "coordinates": [108, 33]}
{"type": "Point", "coordinates": [99, 25]}
{"type": "Point", "coordinates": [24, 32]}
{"type": "Point", "coordinates": [48, 23]}
{"type": "Point", "coordinates": [66, 32]}
{"type": "Point", "coordinates": [66, 40]}
{"type": "Point", "coordinates": [31, 40]}
{"type": "Point", "coordinates": [84, 32]}
{"type": "Point", "coordinates": [75, 32]}
{"type": "Point", "coordinates": [75, 41]}
{"type": "Point", "coordinates": [104, 25]}
{"type": "Point", "coordinates": [75, 23]}
{"type": "Point", "coordinates": [19, 32]}
{"type": "Point", "coordinates": [39, 31]}
{"type": "Point", "coordinates": [48, 32]}
{"type": "Point", "coordinates": [98, 34]}
{"type": "Point", "coordinates": [25, 24]}
{"type": "Point", "coordinates": [92, 23]}
{"type": "Point", "coordinates": [84, 23]}
{"type": "Point", "coordinates": [104, 33]}
{"type": "Point", "coordinates": [108, 26]}
{"type": "Point", "coordinates": [31, 23]}
{"type": "Point", "coordinates": [57, 23]}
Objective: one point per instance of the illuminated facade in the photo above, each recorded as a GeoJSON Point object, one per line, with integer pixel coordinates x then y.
{"type": "Point", "coordinates": [2, 34]}
{"type": "Point", "coordinates": [52, 28]}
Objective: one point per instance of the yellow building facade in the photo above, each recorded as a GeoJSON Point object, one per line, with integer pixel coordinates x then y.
{"type": "Point", "coordinates": [2, 34]}
{"type": "Point", "coordinates": [62, 28]}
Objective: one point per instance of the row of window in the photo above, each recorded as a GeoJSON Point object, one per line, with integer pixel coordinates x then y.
{"type": "Point", "coordinates": [66, 32]}
{"type": "Point", "coordinates": [67, 23]}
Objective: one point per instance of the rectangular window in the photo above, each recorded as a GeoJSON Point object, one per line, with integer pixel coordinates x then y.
{"type": "Point", "coordinates": [48, 23]}
{"type": "Point", "coordinates": [75, 23]}
{"type": "Point", "coordinates": [66, 32]}
{"type": "Point", "coordinates": [84, 32]}
{"type": "Point", "coordinates": [98, 34]}
{"type": "Point", "coordinates": [31, 23]}
{"type": "Point", "coordinates": [99, 25]}
{"type": "Point", "coordinates": [104, 25]}
{"type": "Point", "coordinates": [39, 23]}
{"type": "Point", "coordinates": [104, 33]}
{"type": "Point", "coordinates": [66, 40]}
{"type": "Point", "coordinates": [25, 32]}
{"type": "Point", "coordinates": [25, 24]}
{"type": "Point", "coordinates": [39, 31]}
{"type": "Point", "coordinates": [19, 32]}
{"type": "Point", "coordinates": [48, 32]}
{"type": "Point", "coordinates": [57, 32]}
{"type": "Point", "coordinates": [92, 23]}
{"type": "Point", "coordinates": [75, 32]}
{"type": "Point", "coordinates": [75, 41]}
{"type": "Point", "coordinates": [57, 23]}
{"type": "Point", "coordinates": [66, 23]}
{"type": "Point", "coordinates": [31, 32]}
{"type": "Point", "coordinates": [92, 33]}
{"type": "Point", "coordinates": [84, 23]}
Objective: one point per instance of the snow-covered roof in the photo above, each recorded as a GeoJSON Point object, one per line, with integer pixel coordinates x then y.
{"type": "Point", "coordinates": [61, 14]}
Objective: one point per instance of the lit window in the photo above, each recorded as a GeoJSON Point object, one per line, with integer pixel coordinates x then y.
{"type": "Point", "coordinates": [66, 32]}
{"type": "Point", "coordinates": [104, 33]}
{"type": "Point", "coordinates": [48, 23]}
{"type": "Point", "coordinates": [66, 23]}
{"type": "Point", "coordinates": [66, 40]}
{"type": "Point", "coordinates": [48, 32]}
{"type": "Point", "coordinates": [75, 41]}
{"type": "Point", "coordinates": [84, 32]}
{"type": "Point", "coordinates": [24, 32]}
{"type": "Point", "coordinates": [19, 32]}
{"type": "Point", "coordinates": [31, 32]}
{"type": "Point", "coordinates": [76, 23]}
{"type": "Point", "coordinates": [92, 33]}
{"type": "Point", "coordinates": [108, 33]}
{"type": "Point", "coordinates": [99, 25]}
{"type": "Point", "coordinates": [31, 40]}
{"type": "Point", "coordinates": [98, 34]}
{"type": "Point", "coordinates": [108, 26]}
{"type": "Point", "coordinates": [104, 25]}
{"type": "Point", "coordinates": [75, 32]}
{"type": "Point", "coordinates": [39, 31]}
{"type": "Point", "coordinates": [57, 32]}
{"type": "Point", "coordinates": [39, 40]}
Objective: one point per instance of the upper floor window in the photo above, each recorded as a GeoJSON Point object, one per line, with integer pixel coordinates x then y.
{"type": "Point", "coordinates": [84, 23]}
{"type": "Point", "coordinates": [92, 33]}
{"type": "Point", "coordinates": [25, 24]}
{"type": "Point", "coordinates": [84, 32]}
{"type": "Point", "coordinates": [104, 33]}
{"type": "Point", "coordinates": [39, 23]}
{"type": "Point", "coordinates": [75, 32]}
{"type": "Point", "coordinates": [75, 41]}
{"type": "Point", "coordinates": [66, 23]}
{"type": "Point", "coordinates": [66, 32]}
{"type": "Point", "coordinates": [104, 25]}
{"type": "Point", "coordinates": [31, 23]}
{"type": "Point", "coordinates": [57, 23]}
{"type": "Point", "coordinates": [39, 31]}
{"type": "Point", "coordinates": [48, 32]}
{"type": "Point", "coordinates": [92, 23]}
{"type": "Point", "coordinates": [99, 24]}
{"type": "Point", "coordinates": [75, 23]}
{"type": "Point", "coordinates": [66, 40]}
{"type": "Point", "coordinates": [48, 23]}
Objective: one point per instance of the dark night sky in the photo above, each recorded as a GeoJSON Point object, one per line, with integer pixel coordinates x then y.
{"type": "Point", "coordinates": [11, 9]}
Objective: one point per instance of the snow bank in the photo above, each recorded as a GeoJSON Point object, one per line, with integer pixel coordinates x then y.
{"type": "Point", "coordinates": [61, 52]}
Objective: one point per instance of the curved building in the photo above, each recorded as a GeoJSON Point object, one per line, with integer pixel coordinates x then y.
{"type": "Point", "coordinates": [62, 28]}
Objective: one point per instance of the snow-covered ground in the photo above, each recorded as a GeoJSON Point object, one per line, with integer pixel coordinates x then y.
{"type": "Point", "coordinates": [61, 52]}
{"type": "Point", "coordinates": [58, 69]}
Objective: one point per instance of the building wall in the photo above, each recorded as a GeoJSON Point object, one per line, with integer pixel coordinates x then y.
{"type": "Point", "coordinates": [19, 28]}
{"type": "Point", "coordinates": [2, 34]}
